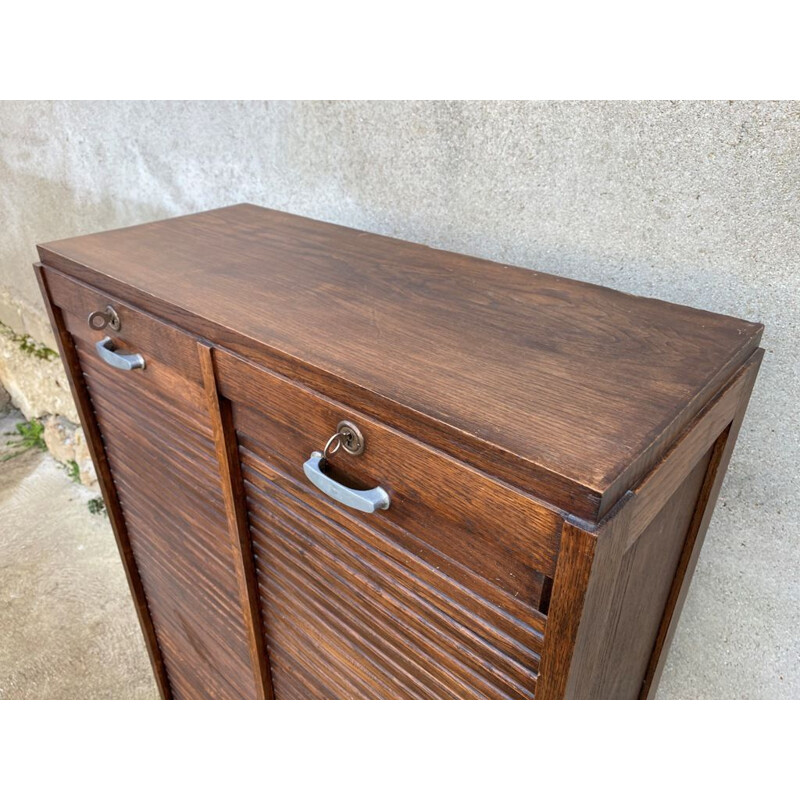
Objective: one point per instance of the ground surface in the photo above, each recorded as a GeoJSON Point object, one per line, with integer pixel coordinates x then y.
{"type": "Point", "coordinates": [68, 628]}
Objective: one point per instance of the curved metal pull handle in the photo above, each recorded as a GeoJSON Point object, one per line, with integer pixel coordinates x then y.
{"type": "Point", "coordinates": [368, 501]}
{"type": "Point", "coordinates": [105, 349]}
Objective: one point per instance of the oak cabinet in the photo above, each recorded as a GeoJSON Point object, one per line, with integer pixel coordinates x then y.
{"type": "Point", "coordinates": [344, 466]}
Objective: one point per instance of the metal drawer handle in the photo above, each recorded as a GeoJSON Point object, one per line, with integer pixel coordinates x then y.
{"type": "Point", "coordinates": [368, 501]}
{"type": "Point", "coordinates": [105, 349]}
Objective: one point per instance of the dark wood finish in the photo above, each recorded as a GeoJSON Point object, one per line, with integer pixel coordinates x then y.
{"type": "Point", "coordinates": [158, 439]}
{"type": "Point", "coordinates": [94, 440]}
{"type": "Point", "coordinates": [653, 492]}
{"type": "Point", "coordinates": [236, 511]}
{"type": "Point", "coordinates": [718, 464]}
{"type": "Point", "coordinates": [636, 597]}
{"type": "Point", "coordinates": [641, 559]}
{"type": "Point", "coordinates": [566, 389]}
{"type": "Point", "coordinates": [553, 452]}
{"type": "Point", "coordinates": [351, 612]}
{"type": "Point", "coordinates": [454, 508]}
{"type": "Point", "coordinates": [436, 597]}
{"type": "Point", "coordinates": [566, 608]}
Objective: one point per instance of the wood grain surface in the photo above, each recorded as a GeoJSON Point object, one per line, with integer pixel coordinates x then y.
{"type": "Point", "coordinates": [567, 389]}
{"type": "Point", "coordinates": [352, 610]}
{"type": "Point", "coordinates": [235, 507]}
{"type": "Point", "coordinates": [718, 464]}
{"type": "Point", "coordinates": [94, 440]}
{"type": "Point", "coordinates": [438, 596]}
{"type": "Point", "coordinates": [158, 440]}
{"type": "Point", "coordinates": [618, 587]}
{"type": "Point", "coordinates": [460, 511]}
{"type": "Point", "coordinates": [553, 452]}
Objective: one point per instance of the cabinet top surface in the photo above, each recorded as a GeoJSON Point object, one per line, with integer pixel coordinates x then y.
{"type": "Point", "coordinates": [573, 379]}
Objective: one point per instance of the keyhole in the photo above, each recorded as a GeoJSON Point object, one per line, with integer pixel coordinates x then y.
{"type": "Point", "coordinates": [351, 437]}
{"type": "Point", "coordinates": [100, 319]}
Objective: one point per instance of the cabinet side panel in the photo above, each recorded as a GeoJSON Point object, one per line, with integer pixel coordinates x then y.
{"type": "Point", "coordinates": [718, 465]}
{"type": "Point", "coordinates": [645, 552]}
{"type": "Point", "coordinates": [646, 573]}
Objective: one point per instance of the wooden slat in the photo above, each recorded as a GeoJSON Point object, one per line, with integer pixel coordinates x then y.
{"type": "Point", "coordinates": [355, 583]}
{"type": "Point", "coordinates": [316, 629]}
{"type": "Point", "coordinates": [94, 441]}
{"type": "Point", "coordinates": [374, 623]}
{"type": "Point", "coordinates": [458, 509]}
{"type": "Point", "coordinates": [406, 589]}
{"type": "Point", "coordinates": [411, 557]}
{"type": "Point", "coordinates": [163, 469]}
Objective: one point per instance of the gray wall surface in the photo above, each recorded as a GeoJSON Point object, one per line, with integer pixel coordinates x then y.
{"type": "Point", "coordinates": [693, 202]}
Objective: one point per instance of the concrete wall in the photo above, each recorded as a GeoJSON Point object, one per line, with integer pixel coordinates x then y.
{"type": "Point", "coordinates": [691, 202]}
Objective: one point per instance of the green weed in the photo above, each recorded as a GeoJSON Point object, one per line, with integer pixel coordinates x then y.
{"type": "Point", "coordinates": [29, 435]}
{"type": "Point", "coordinates": [28, 344]}
{"type": "Point", "coordinates": [73, 470]}
{"type": "Point", "coordinates": [97, 506]}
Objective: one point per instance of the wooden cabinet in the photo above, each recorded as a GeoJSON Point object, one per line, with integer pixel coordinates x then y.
{"type": "Point", "coordinates": [343, 466]}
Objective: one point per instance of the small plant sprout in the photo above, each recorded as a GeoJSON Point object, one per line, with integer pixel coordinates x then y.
{"type": "Point", "coordinates": [28, 435]}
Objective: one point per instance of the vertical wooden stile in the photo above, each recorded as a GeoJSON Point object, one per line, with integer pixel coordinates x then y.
{"type": "Point", "coordinates": [94, 441]}
{"type": "Point", "coordinates": [564, 615]}
{"type": "Point", "coordinates": [236, 513]}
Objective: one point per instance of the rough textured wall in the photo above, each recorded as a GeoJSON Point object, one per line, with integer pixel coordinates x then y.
{"type": "Point", "coordinates": [691, 202]}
